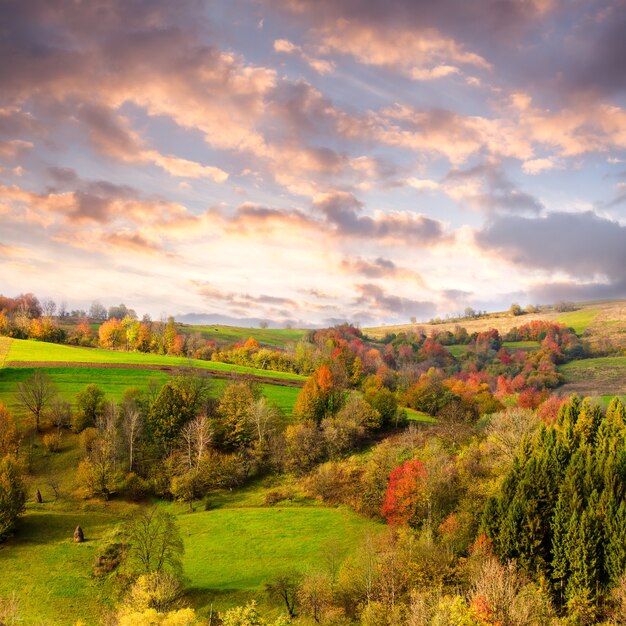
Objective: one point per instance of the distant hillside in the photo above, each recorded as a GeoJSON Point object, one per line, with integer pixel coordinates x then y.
{"type": "Point", "coordinates": [602, 324]}
{"type": "Point", "coordinates": [232, 334]}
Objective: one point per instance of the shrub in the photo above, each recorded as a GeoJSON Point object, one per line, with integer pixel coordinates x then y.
{"type": "Point", "coordinates": [274, 497]}
{"type": "Point", "coordinates": [110, 555]}
{"type": "Point", "coordinates": [135, 487]}
{"type": "Point", "coordinates": [52, 442]}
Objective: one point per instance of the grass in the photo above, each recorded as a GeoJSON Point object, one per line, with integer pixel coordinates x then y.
{"type": "Point", "coordinates": [419, 416]}
{"type": "Point", "coordinates": [595, 364]}
{"type": "Point", "coordinates": [50, 574]}
{"type": "Point", "coordinates": [230, 553]}
{"type": "Point", "coordinates": [521, 345]}
{"type": "Point", "coordinates": [232, 334]}
{"type": "Point", "coordinates": [578, 320]}
{"type": "Point", "coordinates": [34, 351]}
{"type": "Point", "coordinates": [595, 377]}
{"type": "Point", "coordinates": [459, 350]}
{"type": "Point", "coordinates": [71, 380]}
{"type": "Point", "coordinates": [606, 400]}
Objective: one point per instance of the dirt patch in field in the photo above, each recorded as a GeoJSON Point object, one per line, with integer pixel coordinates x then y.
{"type": "Point", "coordinates": [170, 369]}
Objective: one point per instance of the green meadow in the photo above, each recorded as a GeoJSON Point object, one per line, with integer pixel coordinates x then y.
{"type": "Point", "coordinates": [419, 416]}
{"type": "Point", "coordinates": [460, 349]}
{"type": "Point", "coordinates": [578, 320]}
{"type": "Point", "coordinates": [71, 380]}
{"type": "Point", "coordinates": [230, 551]}
{"type": "Point", "coordinates": [24, 350]}
{"type": "Point", "coordinates": [232, 334]}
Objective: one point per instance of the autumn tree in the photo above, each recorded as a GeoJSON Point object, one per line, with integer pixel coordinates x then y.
{"type": "Point", "coordinates": [35, 394]}
{"type": "Point", "coordinates": [82, 335]}
{"type": "Point", "coordinates": [283, 587]}
{"type": "Point", "coordinates": [132, 427]}
{"type": "Point", "coordinates": [193, 448]}
{"type": "Point", "coordinates": [264, 418]}
{"type": "Point", "coordinates": [112, 334]}
{"type": "Point", "coordinates": [8, 432]}
{"type": "Point", "coordinates": [169, 338]}
{"type": "Point", "coordinates": [405, 493]}
{"type": "Point", "coordinates": [99, 472]}
{"type": "Point", "coordinates": [303, 446]}
{"type": "Point", "coordinates": [320, 397]}
{"type": "Point", "coordinates": [235, 415]}
{"type": "Point", "coordinates": [12, 494]}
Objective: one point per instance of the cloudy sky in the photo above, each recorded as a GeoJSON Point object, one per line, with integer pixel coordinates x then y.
{"type": "Point", "coordinates": [313, 160]}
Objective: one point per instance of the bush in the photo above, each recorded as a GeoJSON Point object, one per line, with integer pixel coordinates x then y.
{"type": "Point", "coordinates": [135, 487]}
{"type": "Point", "coordinates": [86, 440]}
{"type": "Point", "coordinates": [52, 442]}
{"type": "Point", "coordinates": [563, 307]}
{"type": "Point", "coordinates": [157, 590]}
{"type": "Point", "coordinates": [12, 494]}
{"type": "Point", "coordinates": [274, 497]}
{"type": "Point", "coordinates": [110, 555]}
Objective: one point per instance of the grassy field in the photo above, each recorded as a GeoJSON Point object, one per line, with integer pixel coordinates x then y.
{"type": "Point", "coordinates": [604, 376]}
{"type": "Point", "coordinates": [232, 334]}
{"type": "Point", "coordinates": [50, 573]}
{"type": "Point", "coordinates": [461, 349]}
{"type": "Point", "coordinates": [579, 320]}
{"type": "Point", "coordinates": [71, 380]}
{"type": "Point", "coordinates": [419, 416]}
{"type": "Point", "coordinates": [590, 317]}
{"type": "Point", "coordinates": [521, 345]}
{"type": "Point", "coordinates": [230, 551]}
{"type": "Point", "coordinates": [23, 350]}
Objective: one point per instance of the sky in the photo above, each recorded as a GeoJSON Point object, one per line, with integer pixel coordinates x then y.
{"type": "Point", "coordinates": [313, 161]}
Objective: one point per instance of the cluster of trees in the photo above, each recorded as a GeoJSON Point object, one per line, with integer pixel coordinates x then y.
{"type": "Point", "coordinates": [517, 520]}
{"type": "Point", "coordinates": [25, 317]}
{"type": "Point", "coordinates": [561, 511]}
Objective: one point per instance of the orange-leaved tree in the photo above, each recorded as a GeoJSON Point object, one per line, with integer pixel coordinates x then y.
{"type": "Point", "coordinates": [405, 493]}
{"type": "Point", "coordinates": [320, 397]}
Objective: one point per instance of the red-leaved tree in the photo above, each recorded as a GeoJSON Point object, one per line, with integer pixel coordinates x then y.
{"type": "Point", "coordinates": [405, 493]}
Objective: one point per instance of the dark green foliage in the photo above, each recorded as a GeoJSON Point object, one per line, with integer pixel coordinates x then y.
{"type": "Point", "coordinates": [90, 404]}
{"type": "Point", "coordinates": [386, 403]}
{"type": "Point", "coordinates": [561, 510]}
{"type": "Point", "coordinates": [178, 402]}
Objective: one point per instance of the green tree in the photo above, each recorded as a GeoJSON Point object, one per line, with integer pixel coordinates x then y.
{"type": "Point", "coordinates": [178, 402]}
{"type": "Point", "coordinates": [90, 404]}
{"type": "Point", "coordinates": [235, 412]}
